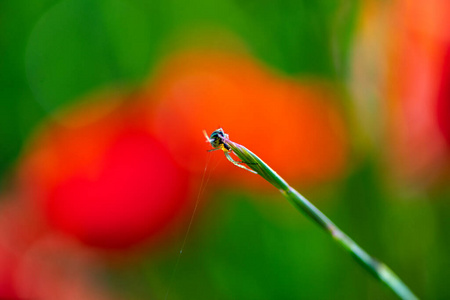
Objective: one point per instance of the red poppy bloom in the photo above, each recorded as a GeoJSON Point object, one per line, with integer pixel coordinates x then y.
{"type": "Point", "coordinates": [295, 127]}
{"type": "Point", "coordinates": [106, 181]}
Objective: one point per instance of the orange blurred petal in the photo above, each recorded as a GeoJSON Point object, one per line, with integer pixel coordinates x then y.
{"type": "Point", "coordinates": [295, 127]}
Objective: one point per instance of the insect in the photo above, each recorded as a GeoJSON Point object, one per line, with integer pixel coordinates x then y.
{"type": "Point", "coordinates": [218, 141]}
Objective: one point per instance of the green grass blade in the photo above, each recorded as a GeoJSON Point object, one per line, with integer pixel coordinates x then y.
{"type": "Point", "coordinates": [375, 267]}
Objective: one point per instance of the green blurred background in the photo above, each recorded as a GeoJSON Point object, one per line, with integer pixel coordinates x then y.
{"type": "Point", "coordinates": [53, 52]}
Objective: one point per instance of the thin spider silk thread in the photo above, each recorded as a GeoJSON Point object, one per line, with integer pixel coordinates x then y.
{"type": "Point", "coordinates": [202, 188]}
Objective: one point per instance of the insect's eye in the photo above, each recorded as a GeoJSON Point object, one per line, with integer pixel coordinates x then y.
{"type": "Point", "coordinates": [216, 135]}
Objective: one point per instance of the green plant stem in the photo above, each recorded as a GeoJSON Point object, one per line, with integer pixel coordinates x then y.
{"type": "Point", "coordinates": [375, 267]}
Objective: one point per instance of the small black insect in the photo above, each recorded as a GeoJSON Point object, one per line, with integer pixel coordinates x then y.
{"type": "Point", "coordinates": [217, 139]}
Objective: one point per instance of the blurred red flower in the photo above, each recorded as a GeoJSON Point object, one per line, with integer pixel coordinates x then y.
{"type": "Point", "coordinates": [19, 228]}
{"type": "Point", "coordinates": [105, 180]}
{"type": "Point", "coordinates": [400, 59]}
{"type": "Point", "coordinates": [416, 56]}
{"type": "Point", "coordinates": [296, 127]}
{"type": "Point", "coordinates": [58, 268]}
{"type": "Point", "coordinates": [443, 105]}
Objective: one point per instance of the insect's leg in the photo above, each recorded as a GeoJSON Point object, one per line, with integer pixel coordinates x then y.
{"type": "Point", "coordinates": [237, 164]}
{"type": "Point", "coordinates": [211, 150]}
{"type": "Point", "coordinates": [206, 136]}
